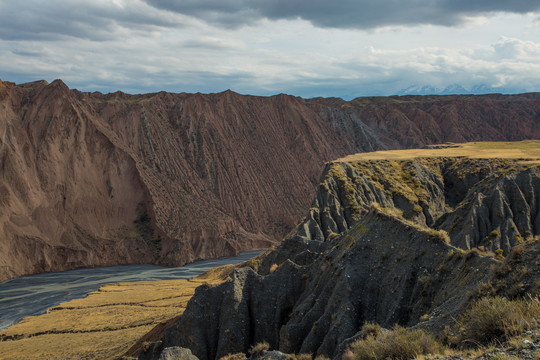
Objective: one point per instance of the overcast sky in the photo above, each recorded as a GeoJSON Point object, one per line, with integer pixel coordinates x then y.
{"type": "Point", "coordinates": [344, 48]}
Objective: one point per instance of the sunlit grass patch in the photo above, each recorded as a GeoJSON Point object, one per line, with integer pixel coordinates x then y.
{"type": "Point", "coordinates": [496, 319]}
{"type": "Point", "coordinates": [397, 343]}
{"type": "Point", "coordinates": [524, 151]}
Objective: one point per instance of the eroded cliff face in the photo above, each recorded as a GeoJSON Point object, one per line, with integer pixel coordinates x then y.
{"type": "Point", "coordinates": [93, 179]}
{"type": "Point", "coordinates": [489, 204]}
{"type": "Point", "coordinates": [69, 195]}
{"type": "Point", "coordinates": [413, 121]}
{"type": "Point", "coordinates": [408, 242]}
{"type": "Point", "coordinates": [381, 270]}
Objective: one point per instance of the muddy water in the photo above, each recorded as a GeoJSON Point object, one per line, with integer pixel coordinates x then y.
{"type": "Point", "coordinates": [32, 295]}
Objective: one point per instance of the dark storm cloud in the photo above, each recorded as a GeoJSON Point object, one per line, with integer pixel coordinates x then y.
{"type": "Point", "coordinates": [360, 14]}
{"type": "Point", "coordinates": [100, 20]}
{"type": "Point", "coordinates": [56, 19]}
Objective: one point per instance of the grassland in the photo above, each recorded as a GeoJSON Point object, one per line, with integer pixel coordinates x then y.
{"type": "Point", "coordinates": [525, 151]}
{"type": "Point", "coordinates": [105, 324]}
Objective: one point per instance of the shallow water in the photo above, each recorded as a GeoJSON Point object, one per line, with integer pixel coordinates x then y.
{"type": "Point", "coordinates": [34, 294]}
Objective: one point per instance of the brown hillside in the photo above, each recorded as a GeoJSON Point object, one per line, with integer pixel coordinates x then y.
{"type": "Point", "coordinates": [93, 179]}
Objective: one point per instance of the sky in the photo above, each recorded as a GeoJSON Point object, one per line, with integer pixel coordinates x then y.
{"type": "Point", "coordinates": [346, 48]}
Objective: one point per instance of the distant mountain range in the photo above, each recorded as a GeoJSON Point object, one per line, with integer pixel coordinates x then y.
{"type": "Point", "coordinates": [457, 89]}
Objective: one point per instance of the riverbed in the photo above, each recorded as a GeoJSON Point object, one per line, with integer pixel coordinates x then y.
{"type": "Point", "coordinates": [33, 295]}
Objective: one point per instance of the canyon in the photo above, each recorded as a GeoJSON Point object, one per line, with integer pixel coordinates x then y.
{"type": "Point", "coordinates": [409, 238]}
{"type": "Point", "coordinates": [91, 179]}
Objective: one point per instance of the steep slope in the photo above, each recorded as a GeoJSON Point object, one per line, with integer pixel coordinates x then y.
{"type": "Point", "coordinates": [414, 121]}
{"type": "Point", "coordinates": [382, 270]}
{"type": "Point", "coordinates": [404, 241]}
{"type": "Point", "coordinates": [69, 195]}
{"type": "Point", "coordinates": [91, 179]}
{"type": "Point", "coordinates": [216, 163]}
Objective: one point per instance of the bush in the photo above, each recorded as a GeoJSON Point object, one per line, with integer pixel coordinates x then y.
{"type": "Point", "coordinates": [254, 264]}
{"type": "Point", "coordinates": [299, 357]}
{"type": "Point", "coordinates": [259, 348]}
{"type": "Point", "coordinates": [237, 356]}
{"type": "Point", "coordinates": [371, 330]}
{"type": "Point", "coordinates": [496, 319]}
{"type": "Point", "coordinates": [398, 343]}
{"type": "Point", "coordinates": [321, 357]}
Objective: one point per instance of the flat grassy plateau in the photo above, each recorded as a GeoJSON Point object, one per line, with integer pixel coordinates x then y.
{"type": "Point", "coordinates": [526, 151]}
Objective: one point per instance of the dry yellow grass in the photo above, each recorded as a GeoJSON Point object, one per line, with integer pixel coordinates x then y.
{"type": "Point", "coordinates": [95, 345]}
{"type": "Point", "coordinates": [106, 323]}
{"type": "Point", "coordinates": [526, 151]}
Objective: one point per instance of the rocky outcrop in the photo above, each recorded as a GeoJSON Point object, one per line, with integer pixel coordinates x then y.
{"type": "Point", "coordinates": [381, 270]}
{"type": "Point", "coordinates": [385, 241]}
{"type": "Point", "coordinates": [484, 203]}
{"type": "Point", "coordinates": [177, 353]}
{"type": "Point", "coordinates": [90, 179]}
{"type": "Point", "coordinates": [498, 212]}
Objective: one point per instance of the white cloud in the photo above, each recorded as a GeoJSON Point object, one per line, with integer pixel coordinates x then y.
{"type": "Point", "coordinates": [509, 48]}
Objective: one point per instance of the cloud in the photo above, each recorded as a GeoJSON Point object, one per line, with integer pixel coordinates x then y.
{"type": "Point", "coordinates": [213, 43]}
{"type": "Point", "coordinates": [211, 64]}
{"type": "Point", "coordinates": [357, 14]}
{"type": "Point", "coordinates": [511, 65]}
{"type": "Point", "coordinates": [509, 48]}
{"type": "Point", "coordinates": [101, 20]}
{"type": "Point", "coordinates": [201, 46]}
{"type": "Point", "coordinates": [97, 20]}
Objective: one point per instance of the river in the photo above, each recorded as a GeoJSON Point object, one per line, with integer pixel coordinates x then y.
{"type": "Point", "coordinates": [34, 294]}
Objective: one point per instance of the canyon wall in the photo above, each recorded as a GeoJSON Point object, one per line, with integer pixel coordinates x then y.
{"type": "Point", "coordinates": [90, 179]}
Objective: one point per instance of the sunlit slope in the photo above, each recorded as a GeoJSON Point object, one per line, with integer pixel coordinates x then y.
{"type": "Point", "coordinates": [522, 150]}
